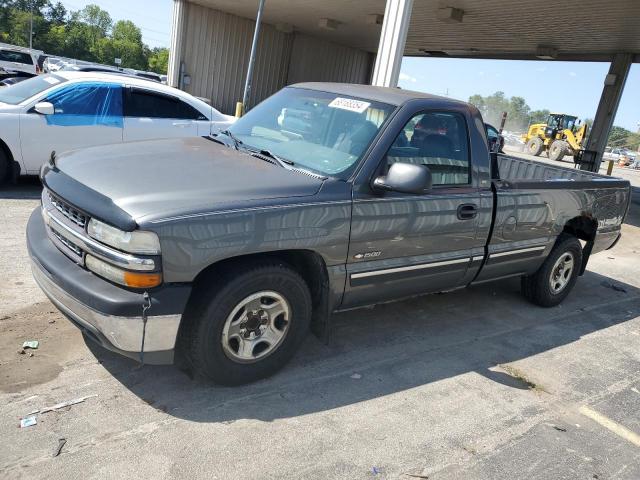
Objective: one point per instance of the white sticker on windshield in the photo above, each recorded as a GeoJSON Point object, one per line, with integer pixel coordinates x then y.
{"type": "Point", "coordinates": [350, 104]}
{"type": "Point", "coordinates": [51, 80]}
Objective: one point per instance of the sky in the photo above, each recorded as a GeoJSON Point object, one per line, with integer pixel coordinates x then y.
{"type": "Point", "coordinates": [567, 87]}
{"type": "Point", "coordinates": [152, 16]}
{"type": "Point", "coordinates": [564, 87]}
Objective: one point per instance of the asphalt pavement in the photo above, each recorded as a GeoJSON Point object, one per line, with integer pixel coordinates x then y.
{"type": "Point", "coordinates": [475, 384]}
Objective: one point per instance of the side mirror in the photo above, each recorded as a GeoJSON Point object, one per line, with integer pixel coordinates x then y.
{"type": "Point", "coordinates": [405, 178]}
{"type": "Point", "coordinates": [44, 108]}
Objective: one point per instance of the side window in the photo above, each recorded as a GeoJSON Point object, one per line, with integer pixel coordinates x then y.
{"type": "Point", "coordinates": [140, 103]}
{"type": "Point", "coordinates": [188, 112]}
{"type": "Point", "coordinates": [86, 104]}
{"type": "Point", "coordinates": [437, 140]}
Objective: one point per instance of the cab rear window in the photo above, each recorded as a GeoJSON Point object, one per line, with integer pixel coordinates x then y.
{"type": "Point", "coordinates": [17, 57]}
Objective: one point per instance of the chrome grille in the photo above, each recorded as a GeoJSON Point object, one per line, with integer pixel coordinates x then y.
{"type": "Point", "coordinates": [67, 243]}
{"type": "Point", "coordinates": [68, 211]}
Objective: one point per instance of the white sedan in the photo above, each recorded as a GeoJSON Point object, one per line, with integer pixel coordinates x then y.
{"type": "Point", "coordinates": [71, 110]}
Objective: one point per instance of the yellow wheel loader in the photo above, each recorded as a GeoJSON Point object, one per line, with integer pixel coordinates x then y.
{"type": "Point", "coordinates": [561, 135]}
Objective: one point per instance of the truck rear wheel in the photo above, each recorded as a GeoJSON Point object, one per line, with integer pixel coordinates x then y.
{"type": "Point", "coordinates": [553, 281]}
{"type": "Point", "coordinates": [558, 150]}
{"type": "Point", "coordinates": [251, 326]}
{"type": "Point", "coordinates": [535, 146]}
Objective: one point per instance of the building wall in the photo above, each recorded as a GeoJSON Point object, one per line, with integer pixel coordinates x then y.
{"type": "Point", "coordinates": [215, 49]}
{"type": "Point", "coordinates": [313, 59]}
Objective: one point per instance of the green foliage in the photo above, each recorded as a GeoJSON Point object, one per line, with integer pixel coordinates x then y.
{"type": "Point", "coordinates": [159, 60]}
{"type": "Point", "coordinates": [492, 106]}
{"type": "Point", "coordinates": [88, 34]}
{"type": "Point", "coordinates": [618, 136]}
{"type": "Point", "coordinates": [539, 116]}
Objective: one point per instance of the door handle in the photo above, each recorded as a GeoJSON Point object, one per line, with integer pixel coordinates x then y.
{"type": "Point", "coordinates": [467, 211]}
{"type": "Point", "coordinates": [181, 124]}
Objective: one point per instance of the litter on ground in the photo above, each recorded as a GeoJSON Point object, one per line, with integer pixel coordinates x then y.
{"type": "Point", "coordinates": [58, 406]}
{"type": "Point", "coordinates": [61, 442]}
{"type": "Point", "coordinates": [28, 421]}
{"type": "Point", "coordinates": [30, 344]}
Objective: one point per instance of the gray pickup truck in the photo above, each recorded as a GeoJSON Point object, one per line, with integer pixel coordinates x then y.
{"type": "Point", "coordinates": [225, 251]}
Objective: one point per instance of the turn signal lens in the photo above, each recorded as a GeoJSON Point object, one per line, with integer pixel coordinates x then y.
{"type": "Point", "coordinates": [142, 280]}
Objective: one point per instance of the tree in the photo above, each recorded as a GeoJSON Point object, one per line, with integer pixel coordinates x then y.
{"type": "Point", "coordinates": [539, 116]}
{"type": "Point", "coordinates": [618, 136]}
{"type": "Point", "coordinates": [95, 17]}
{"type": "Point", "coordinates": [126, 31]}
{"type": "Point", "coordinates": [633, 141]}
{"type": "Point", "coordinates": [56, 14]}
{"type": "Point", "coordinates": [125, 43]}
{"type": "Point", "coordinates": [159, 60]}
{"type": "Point", "coordinates": [88, 34]}
{"type": "Point", "coordinates": [493, 105]}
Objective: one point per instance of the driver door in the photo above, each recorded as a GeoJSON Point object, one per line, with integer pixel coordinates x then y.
{"type": "Point", "coordinates": [403, 244]}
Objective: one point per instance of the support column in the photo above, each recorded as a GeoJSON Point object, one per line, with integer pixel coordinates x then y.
{"type": "Point", "coordinates": [607, 108]}
{"type": "Point", "coordinates": [240, 109]}
{"type": "Point", "coordinates": [397, 16]}
{"type": "Point", "coordinates": [175, 48]}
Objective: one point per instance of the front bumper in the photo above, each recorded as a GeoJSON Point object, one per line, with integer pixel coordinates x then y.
{"type": "Point", "coordinates": [108, 314]}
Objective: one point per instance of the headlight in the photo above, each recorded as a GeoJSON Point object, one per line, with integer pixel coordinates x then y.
{"type": "Point", "coordinates": [133, 242]}
{"type": "Point", "coordinates": [123, 277]}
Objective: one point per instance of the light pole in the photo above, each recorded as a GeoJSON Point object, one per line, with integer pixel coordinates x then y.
{"type": "Point", "coordinates": [31, 25]}
{"type": "Point", "coordinates": [240, 107]}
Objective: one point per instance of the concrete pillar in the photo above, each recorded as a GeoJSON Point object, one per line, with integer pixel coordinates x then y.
{"type": "Point", "coordinates": [608, 106]}
{"type": "Point", "coordinates": [175, 48]}
{"type": "Point", "coordinates": [397, 16]}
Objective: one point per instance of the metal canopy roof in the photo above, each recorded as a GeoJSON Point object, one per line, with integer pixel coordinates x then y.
{"type": "Point", "coordinates": [511, 29]}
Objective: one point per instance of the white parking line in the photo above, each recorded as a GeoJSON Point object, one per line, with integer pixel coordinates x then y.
{"type": "Point", "coordinates": [612, 426]}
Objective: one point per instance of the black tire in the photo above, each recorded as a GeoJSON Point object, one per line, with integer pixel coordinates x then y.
{"type": "Point", "coordinates": [5, 167]}
{"type": "Point", "coordinates": [535, 146]}
{"type": "Point", "coordinates": [558, 150]}
{"type": "Point", "coordinates": [203, 341]}
{"type": "Point", "coordinates": [538, 288]}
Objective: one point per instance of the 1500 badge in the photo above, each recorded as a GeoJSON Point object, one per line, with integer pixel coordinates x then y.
{"type": "Point", "coordinates": [360, 256]}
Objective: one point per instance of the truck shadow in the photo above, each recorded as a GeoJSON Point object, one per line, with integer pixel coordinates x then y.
{"type": "Point", "coordinates": [391, 348]}
{"type": "Point", "coordinates": [26, 188]}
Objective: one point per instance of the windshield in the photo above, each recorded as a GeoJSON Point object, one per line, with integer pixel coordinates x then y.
{"type": "Point", "coordinates": [324, 132]}
{"type": "Point", "coordinates": [19, 92]}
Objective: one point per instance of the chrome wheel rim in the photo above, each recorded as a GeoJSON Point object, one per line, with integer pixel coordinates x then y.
{"type": "Point", "coordinates": [256, 327]}
{"type": "Point", "coordinates": [561, 272]}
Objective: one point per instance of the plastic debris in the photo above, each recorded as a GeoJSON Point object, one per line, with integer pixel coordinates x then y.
{"type": "Point", "coordinates": [375, 470]}
{"type": "Point", "coordinates": [28, 421]}
{"type": "Point", "coordinates": [31, 344]}
{"type": "Point", "coordinates": [61, 442]}
{"type": "Point", "coordinates": [58, 406]}
{"type": "Point", "coordinates": [356, 376]}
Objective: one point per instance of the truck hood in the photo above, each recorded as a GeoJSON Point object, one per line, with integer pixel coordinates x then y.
{"type": "Point", "coordinates": [161, 178]}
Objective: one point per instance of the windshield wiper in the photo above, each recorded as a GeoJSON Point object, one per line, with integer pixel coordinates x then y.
{"type": "Point", "coordinates": [283, 162]}
{"type": "Point", "coordinates": [236, 141]}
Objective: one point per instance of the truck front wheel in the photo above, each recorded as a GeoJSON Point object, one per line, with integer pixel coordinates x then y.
{"type": "Point", "coordinates": [251, 326]}
{"type": "Point", "coordinates": [553, 281]}
{"type": "Point", "coordinates": [535, 146]}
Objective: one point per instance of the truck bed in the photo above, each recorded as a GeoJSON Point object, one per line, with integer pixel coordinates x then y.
{"type": "Point", "coordinates": [519, 169]}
